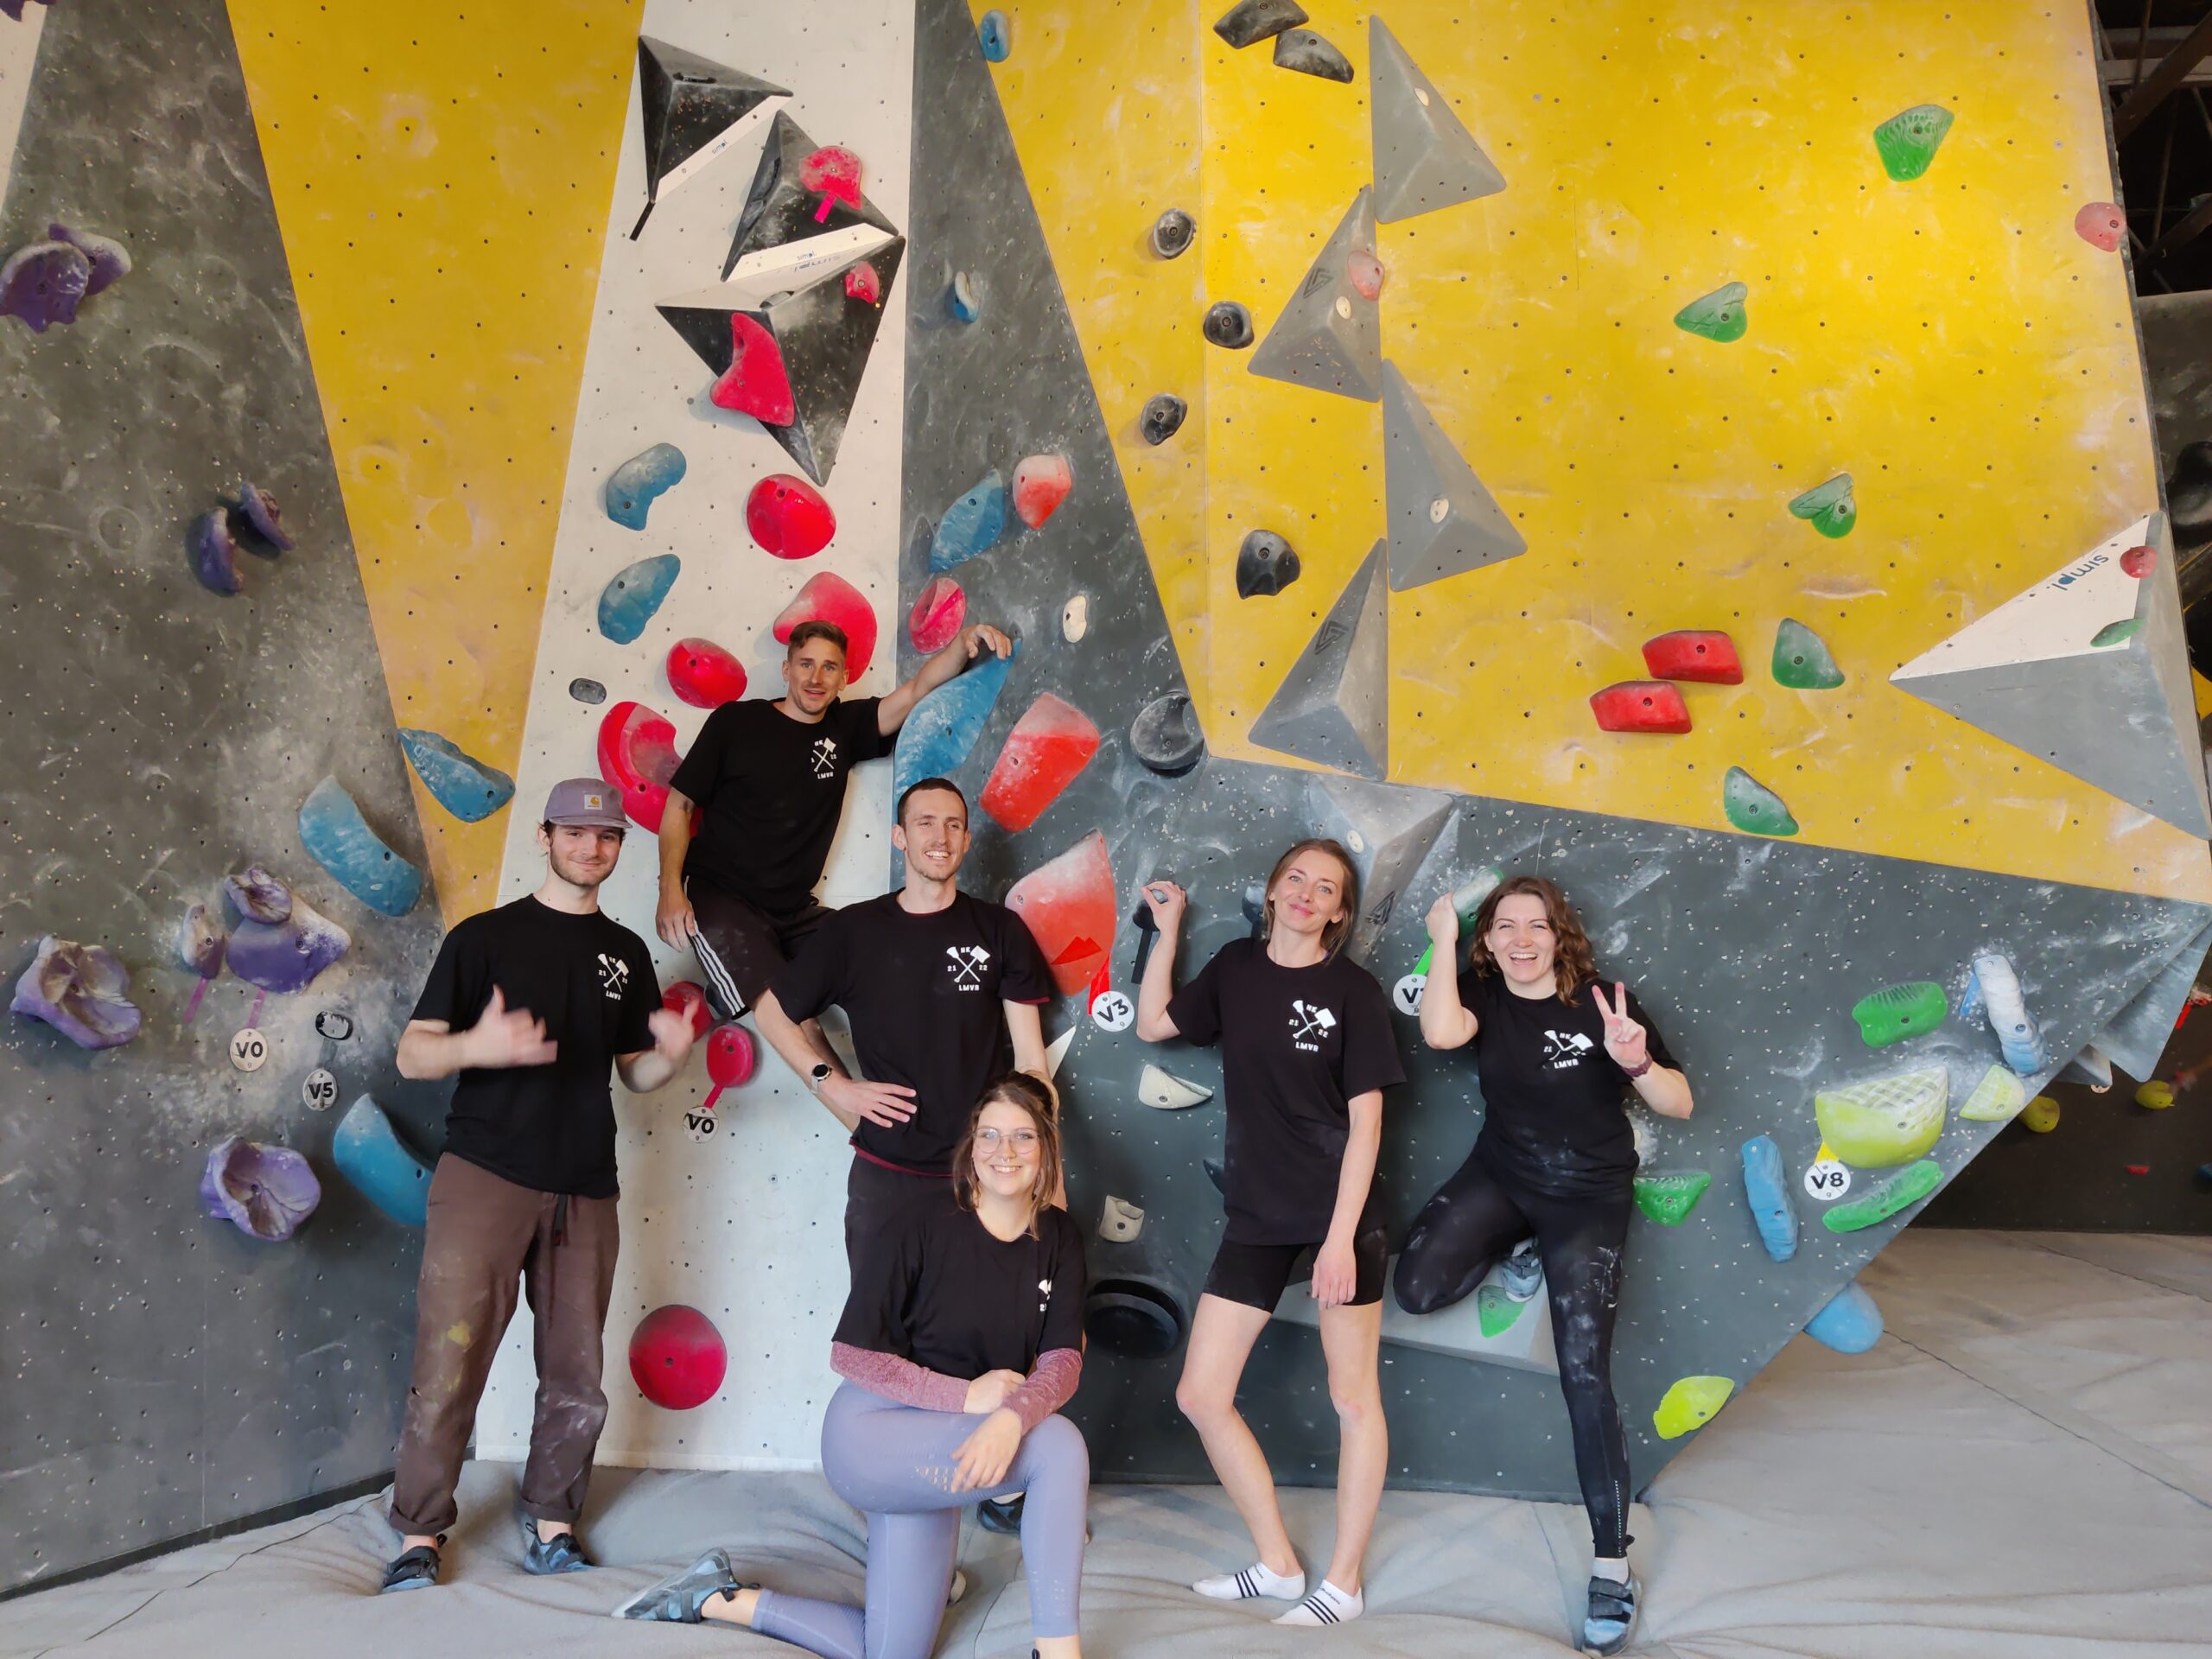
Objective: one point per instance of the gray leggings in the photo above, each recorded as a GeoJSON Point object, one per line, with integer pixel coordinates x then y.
{"type": "Point", "coordinates": [894, 1462]}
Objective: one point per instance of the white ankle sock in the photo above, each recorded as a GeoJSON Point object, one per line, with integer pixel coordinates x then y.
{"type": "Point", "coordinates": [1327, 1606]}
{"type": "Point", "coordinates": [1615, 1569]}
{"type": "Point", "coordinates": [1253, 1580]}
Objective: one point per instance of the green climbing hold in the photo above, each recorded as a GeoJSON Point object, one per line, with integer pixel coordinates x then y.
{"type": "Point", "coordinates": [1908, 142]}
{"type": "Point", "coordinates": [1885, 1121]}
{"type": "Point", "coordinates": [1496, 1310]}
{"type": "Point", "coordinates": [1690, 1404]}
{"type": "Point", "coordinates": [2040, 1114]}
{"type": "Point", "coordinates": [1830, 506]}
{"type": "Point", "coordinates": [1667, 1196]}
{"type": "Point", "coordinates": [1903, 1190]}
{"type": "Point", "coordinates": [1751, 806]}
{"type": "Point", "coordinates": [1897, 1011]}
{"type": "Point", "coordinates": [1997, 1098]}
{"type": "Point", "coordinates": [1720, 315]}
{"type": "Point", "coordinates": [1801, 659]}
{"type": "Point", "coordinates": [2112, 633]}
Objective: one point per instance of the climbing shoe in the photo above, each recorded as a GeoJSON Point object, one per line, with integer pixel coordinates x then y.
{"type": "Point", "coordinates": [561, 1552]}
{"type": "Point", "coordinates": [1001, 1515]}
{"type": "Point", "coordinates": [1522, 1276]}
{"type": "Point", "coordinates": [1611, 1617]}
{"type": "Point", "coordinates": [415, 1569]}
{"type": "Point", "coordinates": [679, 1598]}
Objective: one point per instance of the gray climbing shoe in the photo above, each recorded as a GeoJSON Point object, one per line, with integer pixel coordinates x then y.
{"type": "Point", "coordinates": [1611, 1617]}
{"type": "Point", "coordinates": [561, 1552]}
{"type": "Point", "coordinates": [413, 1569]}
{"type": "Point", "coordinates": [1522, 1275]}
{"type": "Point", "coordinates": [1001, 1515]}
{"type": "Point", "coordinates": [678, 1598]}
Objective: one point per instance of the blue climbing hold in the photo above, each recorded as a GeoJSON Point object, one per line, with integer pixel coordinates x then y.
{"type": "Point", "coordinates": [1766, 1186]}
{"type": "Point", "coordinates": [963, 298]}
{"type": "Point", "coordinates": [995, 35]}
{"type": "Point", "coordinates": [972, 525]}
{"type": "Point", "coordinates": [628, 602]}
{"type": "Point", "coordinates": [632, 487]}
{"type": "Point", "coordinates": [945, 726]}
{"type": "Point", "coordinates": [462, 785]}
{"type": "Point", "coordinates": [1850, 1323]}
{"type": "Point", "coordinates": [370, 1154]}
{"type": "Point", "coordinates": [338, 838]}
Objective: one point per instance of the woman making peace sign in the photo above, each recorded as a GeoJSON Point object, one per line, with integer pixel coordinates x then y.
{"type": "Point", "coordinates": [1555, 1158]}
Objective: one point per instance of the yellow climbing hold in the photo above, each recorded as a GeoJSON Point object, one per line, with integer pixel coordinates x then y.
{"type": "Point", "coordinates": [1997, 1098]}
{"type": "Point", "coordinates": [2041, 1114]}
{"type": "Point", "coordinates": [1690, 1404]}
{"type": "Point", "coordinates": [1885, 1121]}
{"type": "Point", "coordinates": [2155, 1094]}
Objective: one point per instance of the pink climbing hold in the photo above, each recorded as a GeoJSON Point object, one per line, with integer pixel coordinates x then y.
{"type": "Point", "coordinates": [1698, 654]}
{"type": "Point", "coordinates": [2139, 562]}
{"type": "Point", "coordinates": [1048, 746]}
{"type": "Point", "coordinates": [637, 755]}
{"type": "Point", "coordinates": [1041, 484]}
{"type": "Point", "coordinates": [789, 517]}
{"type": "Point", "coordinates": [704, 675]}
{"type": "Point", "coordinates": [861, 282]}
{"type": "Point", "coordinates": [689, 998]}
{"type": "Point", "coordinates": [1068, 906]}
{"type": "Point", "coordinates": [756, 382]}
{"type": "Point", "coordinates": [829, 598]}
{"type": "Point", "coordinates": [677, 1357]}
{"type": "Point", "coordinates": [835, 172]}
{"type": "Point", "coordinates": [1366, 273]}
{"type": "Point", "coordinates": [731, 1059]}
{"type": "Point", "coordinates": [1640, 706]}
{"type": "Point", "coordinates": [938, 611]}
{"type": "Point", "coordinates": [2102, 225]}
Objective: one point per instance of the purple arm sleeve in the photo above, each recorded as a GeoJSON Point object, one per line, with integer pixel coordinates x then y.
{"type": "Point", "coordinates": [899, 1379]}
{"type": "Point", "coordinates": [1051, 1386]}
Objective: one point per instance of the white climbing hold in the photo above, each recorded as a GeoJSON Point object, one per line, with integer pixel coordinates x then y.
{"type": "Point", "coordinates": [1055, 1052]}
{"type": "Point", "coordinates": [1169, 1093]}
{"type": "Point", "coordinates": [1121, 1222]}
{"type": "Point", "coordinates": [1075, 618]}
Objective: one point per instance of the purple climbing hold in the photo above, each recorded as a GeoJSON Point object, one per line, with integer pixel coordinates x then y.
{"type": "Point", "coordinates": [285, 956]}
{"type": "Point", "coordinates": [214, 555]}
{"type": "Point", "coordinates": [81, 991]}
{"type": "Point", "coordinates": [110, 260]}
{"type": "Point", "coordinates": [256, 509]}
{"type": "Point", "coordinates": [200, 942]}
{"type": "Point", "coordinates": [267, 1191]}
{"type": "Point", "coordinates": [43, 282]}
{"type": "Point", "coordinates": [258, 896]}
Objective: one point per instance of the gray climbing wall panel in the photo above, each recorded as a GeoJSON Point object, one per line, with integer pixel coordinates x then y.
{"type": "Point", "coordinates": [165, 1372]}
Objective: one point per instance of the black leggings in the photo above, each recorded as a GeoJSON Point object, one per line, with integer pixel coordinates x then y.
{"type": "Point", "coordinates": [1465, 1230]}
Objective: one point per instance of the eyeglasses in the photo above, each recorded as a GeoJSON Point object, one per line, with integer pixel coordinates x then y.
{"type": "Point", "coordinates": [1019, 1140]}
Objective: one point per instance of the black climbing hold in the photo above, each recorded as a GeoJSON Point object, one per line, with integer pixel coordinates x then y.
{"type": "Point", "coordinates": [1256, 912]}
{"type": "Point", "coordinates": [1265, 564]}
{"type": "Point", "coordinates": [1229, 324]}
{"type": "Point", "coordinates": [334, 1025]}
{"type": "Point", "coordinates": [1134, 1317]}
{"type": "Point", "coordinates": [1165, 736]}
{"type": "Point", "coordinates": [1147, 936]}
{"type": "Point", "coordinates": [587, 690]}
{"type": "Point", "coordinates": [1163, 415]}
{"type": "Point", "coordinates": [1212, 1167]}
{"type": "Point", "coordinates": [1249, 22]}
{"type": "Point", "coordinates": [1303, 50]}
{"type": "Point", "coordinates": [1172, 233]}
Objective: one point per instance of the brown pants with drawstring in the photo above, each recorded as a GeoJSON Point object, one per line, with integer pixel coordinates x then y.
{"type": "Point", "coordinates": [484, 1235]}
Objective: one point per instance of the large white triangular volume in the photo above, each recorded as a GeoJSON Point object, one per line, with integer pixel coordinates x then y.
{"type": "Point", "coordinates": [2087, 669]}
{"type": "Point", "coordinates": [1443, 522]}
{"type": "Point", "coordinates": [1424, 159]}
{"type": "Point", "coordinates": [792, 265]}
{"type": "Point", "coordinates": [1333, 707]}
{"type": "Point", "coordinates": [1330, 336]}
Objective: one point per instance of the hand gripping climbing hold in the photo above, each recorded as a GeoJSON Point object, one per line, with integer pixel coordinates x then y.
{"type": "Point", "coordinates": [81, 990]}
{"type": "Point", "coordinates": [266, 1191]}
{"type": "Point", "coordinates": [338, 838]}
{"type": "Point", "coordinates": [1766, 1189]}
{"type": "Point", "coordinates": [971, 525]}
{"type": "Point", "coordinates": [1249, 22]}
{"type": "Point", "coordinates": [1166, 737]}
{"type": "Point", "coordinates": [1897, 1011]}
{"type": "Point", "coordinates": [1850, 1323]}
{"type": "Point", "coordinates": [465, 786]}
{"type": "Point", "coordinates": [1900, 1191]}
{"type": "Point", "coordinates": [1690, 1403]}
{"type": "Point", "coordinates": [756, 383]}
{"type": "Point", "coordinates": [1266, 564]}
{"type": "Point", "coordinates": [1885, 1121]}
{"type": "Point", "coordinates": [1171, 233]}
{"type": "Point", "coordinates": [1751, 805]}
{"type": "Point", "coordinates": [637, 756]}
{"type": "Point", "coordinates": [1699, 654]}
{"type": "Point", "coordinates": [1049, 745]}
{"type": "Point", "coordinates": [945, 725]}
{"type": "Point", "coordinates": [632, 487]}
{"type": "Point", "coordinates": [1667, 1196]}
{"type": "Point", "coordinates": [370, 1154]}
{"type": "Point", "coordinates": [1907, 143]}
{"type": "Point", "coordinates": [828, 597]}
{"type": "Point", "coordinates": [1830, 508]}
{"type": "Point", "coordinates": [939, 609]}
{"type": "Point", "coordinates": [1721, 315]}
{"type": "Point", "coordinates": [628, 602]}
{"type": "Point", "coordinates": [1162, 417]}
{"type": "Point", "coordinates": [1802, 660]}
{"type": "Point", "coordinates": [1311, 53]}
{"type": "Point", "coordinates": [1640, 706]}
{"type": "Point", "coordinates": [702, 674]}
{"type": "Point", "coordinates": [789, 517]}
{"type": "Point", "coordinates": [678, 1358]}
{"type": "Point", "coordinates": [1165, 1092]}
{"type": "Point", "coordinates": [1229, 324]}
{"type": "Point", "coordinates": [1041, 484]}
{"type": "Point", "coordinates": [1997, 1098]}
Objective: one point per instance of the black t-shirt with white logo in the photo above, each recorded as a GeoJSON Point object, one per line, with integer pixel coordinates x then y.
{"type": "Point", "coordinates": [1551, 1097]}
{"type": "Point", "coordinates": [923, 994]}
{"type": "Point", "coordinates": [551, 1126]}
{"type": "Point", "coordinates": [1296, 1045]}
{"type": "Point", "coordinates": [773, 788]}
{"type": "Point", "coordinates": [945, 1294]}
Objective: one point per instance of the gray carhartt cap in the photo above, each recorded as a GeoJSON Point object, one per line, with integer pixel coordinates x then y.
{"type": "Point", "coordinates": [586, 801]}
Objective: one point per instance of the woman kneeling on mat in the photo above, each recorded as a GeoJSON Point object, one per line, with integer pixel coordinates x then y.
{"type": "Point", "coordinates": [1306, 1052]}
{"type": "Point", "coordinates": [962, 1338]}
{"type": "Point", "coordinates": [1555, 1158]}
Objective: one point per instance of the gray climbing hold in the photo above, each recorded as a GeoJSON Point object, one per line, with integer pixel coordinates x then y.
{"type": "Point", "coordinates": [1249, 22]}
{"type": "Point", "coordinates": [1389, 831]}
{"type": "Point", "coordinates": [1165, 736]}
{"type": "Point", "coordinates": [1265, 564]}
{"type": "Point", "coordinates": [1766, 1189]}
{"type": "Point", "coordinates": [1424, 158]}
{"type": "Point", "coordinates": [1229, 324]}
{"type": "Point", "coordinates": [1171, 233]}
{"type": "Point", "coordinates": [1163, 417]}
{"type": "Point", "coordinates": [1330, 336]}
{"type": "Point", "coordinates": [1333, 706]}
{"type": "Point", "coordinates": [1311, 53]}
{"type": "Point", "coordinates": [1442, 521]}
{"type": "Point", "coordinates": [588, 691]}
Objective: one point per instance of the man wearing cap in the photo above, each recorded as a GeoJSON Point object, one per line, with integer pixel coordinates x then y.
{"type": "Point", "coordinates": [529, 1004]}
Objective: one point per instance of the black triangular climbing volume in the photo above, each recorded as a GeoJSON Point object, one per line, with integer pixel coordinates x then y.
{"type": "Point", "coordinates": [694, 109]}
{"type": "Point", "coordinates": [779, 209]}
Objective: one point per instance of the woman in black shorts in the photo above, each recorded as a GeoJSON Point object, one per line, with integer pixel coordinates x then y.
{"type": "Point", "coordinates": [1306, 1052]}
{"type": "Point", "coordinates": [1555, 1158]}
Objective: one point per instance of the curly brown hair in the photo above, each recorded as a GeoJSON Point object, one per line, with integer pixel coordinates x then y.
{"type": "Point", "coordinates": [1574, 963]}
{"type": "Point", "coordinates": [1016, 1088]}
{"type": "Point", "coordinates": [1334, 935]}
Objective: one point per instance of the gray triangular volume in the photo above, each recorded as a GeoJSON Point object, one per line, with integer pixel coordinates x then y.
{"type": "Point", "coordinates": [2135, 1036]}
{"type": "Point", "coordinates": [2117, 716]}
{"type": "Point", "coordinates": [1333, 707]}
{"type": "Point", "coordinates": [1390, 830]}
{"type": "Point", "coordinates": [780, 209]}
{"type": "Point", "coordinates": [1424, 159]}
{"type": "Point", "coordinates": [694, 109]}
{"type": "Point", "coordinates": [1442, 521]}
{"type": "Point", "coordinates": [1329, 337]}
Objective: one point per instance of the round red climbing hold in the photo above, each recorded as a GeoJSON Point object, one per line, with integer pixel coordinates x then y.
{"type": "Point", "coordinates": [704, 674]}
{"type": "Point", "coordinates": [834, 172]}
{"type": "Point", "coordinates": [861, 282]}
{"type": "Point", "coordinates": [1366, 272]}
{"type": "Point", "coordinates": [2102, 226]}
{"type": "Point", "coordinates": [2139, 562]}
{"type": "Point", "coordinates": [1041, 484]}
{"type": "Point", "coordinates": [677, 1357]}
{"type": "Point", "coordinates": [756, 382]}
{"type": "Point", "coordinates": [637, 755]}
{"type": "Point", "coordinates": [789, 517]}
{"type": "Point", "coordinates": [689, 999]}
{"type": "Point", "coordinates": [828, 597]}
{"type": "Point", "coordinates": [938, 614]}
{"type": "Point", "coordinates": [731, 1056]}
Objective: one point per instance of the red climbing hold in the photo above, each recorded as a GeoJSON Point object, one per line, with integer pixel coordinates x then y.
{"type": "Point", "coordinates": [1641, 706]}
{"type": "Point", "coordinates": [2139, 562]}
{"type": "Point", "coordinates": [731, 1057]}
{"type": "Point", "coordinates": [1366, 272]}
{"type": "Point", "coordinates": [789, 517]}
{"type": "Point", "coordinates": [637, 755]}
{"type": "Point", "coordinates": [1047, 747]}
{"type": "Point", "coordinates": [704, 674]}
{"type": "Point", "coordinates": [689, 999]}
{"type": "Point", "coordinates": [1041, 484]}
{"type": "Point", "coordinates": [677, 1357]}
{"type": "Point", "coordinates": [1693, 654]}
{"type": "Point", "coordinates": [1101, 982]}
{"type": "Point", "coordinates": [756, 382]}
{"type": "Point", "coordinates": [2102, 226]}
{"type": "Point", "coordinates": [1068, 905]}
{"type": "Point", "coordinates": [2138, 1169]}
{"type": "Point", "coordinates": [835, 172]}
{"type": "Point", "coordinates": [936, 615]}
{"type": "Point", "coordinates": [861, 282]}
{"type": "Point", "coordinates": [831, 598]}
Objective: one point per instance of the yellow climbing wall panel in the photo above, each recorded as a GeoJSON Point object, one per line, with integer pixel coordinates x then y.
{"type": "Point", "coordinates": [442, 177]}
{"type": "Point", "coordinates": [1950, 342]}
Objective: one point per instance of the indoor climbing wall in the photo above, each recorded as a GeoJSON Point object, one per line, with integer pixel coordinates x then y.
{"type": "Point", "coordinates": [1706, 464]}
{"type": "Point", "coordinates": [204, 1319]}
{"type": "Point", "coordinates": [709, 505]}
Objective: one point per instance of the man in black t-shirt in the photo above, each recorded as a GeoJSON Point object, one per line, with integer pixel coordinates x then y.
{"type": "Point", "coordinates": [529, 1004]}
{"type": "Point", "coordinates": [769, 777]}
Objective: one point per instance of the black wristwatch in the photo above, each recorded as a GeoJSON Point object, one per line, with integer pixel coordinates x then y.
{"type": "Point", "coordinates": [822, 1073]}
